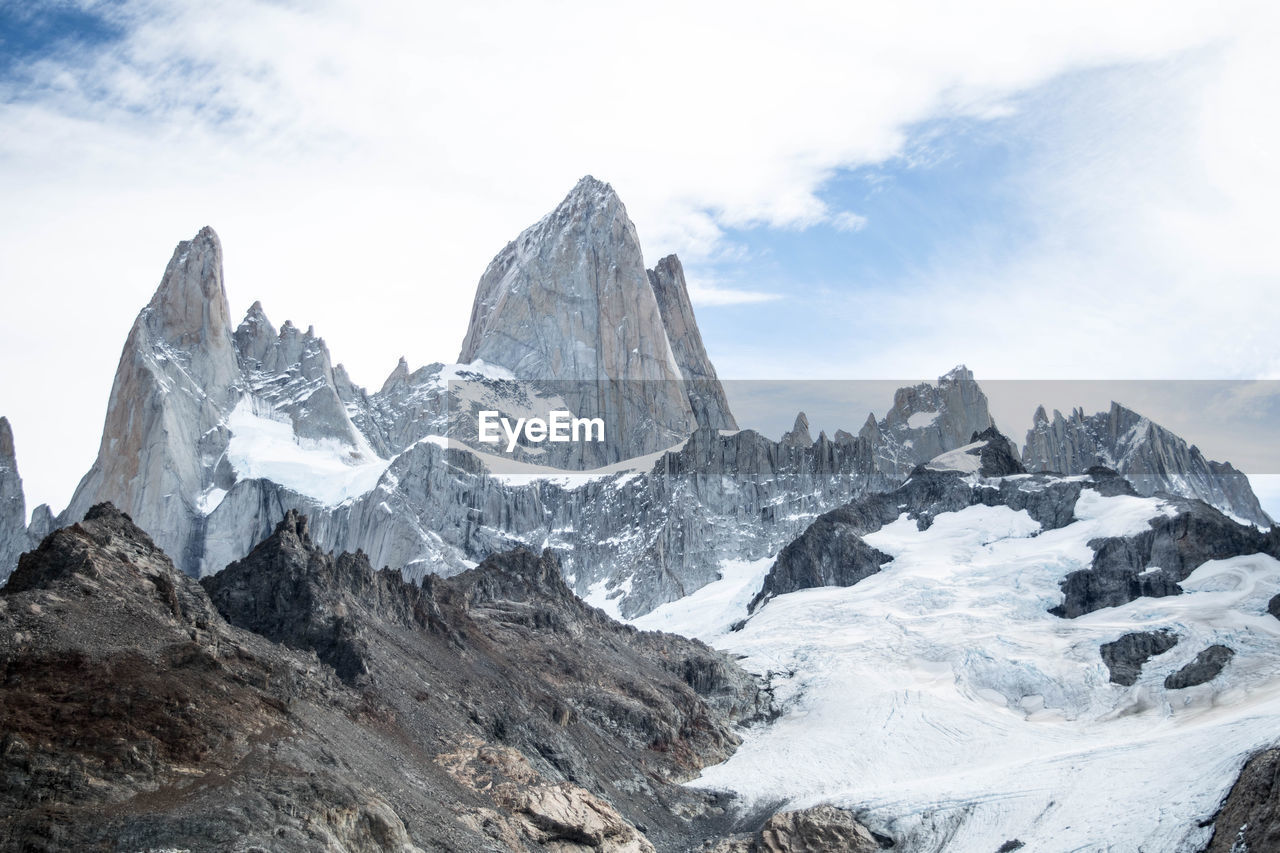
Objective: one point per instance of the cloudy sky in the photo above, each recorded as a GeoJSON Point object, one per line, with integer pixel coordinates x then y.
{"type": "Point", "coordinates": [858, 190]}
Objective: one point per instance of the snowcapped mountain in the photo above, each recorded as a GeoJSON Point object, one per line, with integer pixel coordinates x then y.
{"type": "Point", "coordinates": [967, 644]}
{"type": "Point", "coordinates": [1148, 455]}
{"type": "Point", "coordinates": [213, 432]}
{"type": "Point", "coordinates": [926, 420]}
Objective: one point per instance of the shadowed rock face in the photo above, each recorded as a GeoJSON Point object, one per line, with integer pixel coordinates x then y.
{"type": "Point", "coordinates": [998, 455]}
{"type": "Point", "coordinates": [1250, 816]}
{"type": "Point", "coordinates": [1125, 657]}
{"type": "Point", "coordinates": [1206, 667]}
{"type": "Point", "coordinates": [135, 714]}
{"type": "Point", "coordinates": [1177, 545]}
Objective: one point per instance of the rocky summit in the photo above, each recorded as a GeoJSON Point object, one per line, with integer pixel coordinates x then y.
{"type": "Point", "coordinates": [13, 504]}
{"type": "Point", "coordinates": [570, 300]}
{"type": "Point", "coordinates": [1148, 455]}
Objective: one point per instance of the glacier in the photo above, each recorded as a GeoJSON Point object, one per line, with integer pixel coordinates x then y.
{"type": "Point", "coordinates": [942, 702]}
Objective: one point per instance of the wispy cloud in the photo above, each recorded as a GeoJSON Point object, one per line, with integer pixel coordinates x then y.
{"type": "Point", "coordinates": [848, 221]}
{"type": "Point", "coordinates": [706, 295]}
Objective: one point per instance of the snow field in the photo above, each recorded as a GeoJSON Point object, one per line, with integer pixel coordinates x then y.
{"type": "Point", "coordinates": [943, 702]}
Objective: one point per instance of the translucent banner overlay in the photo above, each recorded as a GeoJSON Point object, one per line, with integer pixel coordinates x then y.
{"type": "Point", "coordinates": [1235, 421]}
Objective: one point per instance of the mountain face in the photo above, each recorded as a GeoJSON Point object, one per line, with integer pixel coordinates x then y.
{"type": "Point", "coordinates": [1148, 455]}
{"type": "Point", "coordinates": [177, 381]}
{"type": "Point", "coordinates": [706, 396]}
{"type": "Point", "coordinates": [213, 434]}
{"type": "Point", "coordinates": [142, 712]}
{"type": "Point", "coordinates": [570, 301]}
{"type": "Point", "coordinates": [926, 420]}
{"type": "Point", "coordinates": [13, 504]}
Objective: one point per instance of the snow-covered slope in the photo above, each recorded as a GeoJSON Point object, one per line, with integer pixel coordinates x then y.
{"type": "Point", "coordinates": [942, 700]}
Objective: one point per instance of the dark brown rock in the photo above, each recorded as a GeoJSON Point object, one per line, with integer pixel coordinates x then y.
{"type": "Point", "coordinates": [136, 717]}
{"type": "Point", "coordinates": [1250, 816]}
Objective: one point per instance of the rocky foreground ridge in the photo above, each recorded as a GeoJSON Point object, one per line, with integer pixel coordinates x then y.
{"type": "Point", "coordinates": [302, 701]}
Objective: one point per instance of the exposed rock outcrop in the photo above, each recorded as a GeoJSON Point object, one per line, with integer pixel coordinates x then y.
{"type": "Point", "coordinates": [289, 373]}
{"type": "Point", "coordinates": [1126, 656]}
{"type": "Point", "coordinates": [177, 380]}
{"type": "Point", "coordinates": [927, 420]}
{"type": "Point", "coordinates": [122, 683]}
{"type": "Point", "coordinates": [998, 455]}
{"type": "Point", "coordinates": [798, 435]}
{"type": "Point", "coordinates": [706, 395]}
{"type": "Point", "coordinates": [1153, 562]}
{"type": "Point", "coordinates": [1250, 816]}
{"type": "Point", "coordinates": [511, 655]}
{"type": "Point", "coordinates": [13, 504]}
{"type": "Point", "coordinates": [569, 301]}
{"type": "Point", "coordinates": [1148, 455]}
{"type": "Point", "coordinates": [1207, 665]}
{"type": "Point", "coordinates": [536, 812]}
{"type": "Point", "coordinates": [820, 829]}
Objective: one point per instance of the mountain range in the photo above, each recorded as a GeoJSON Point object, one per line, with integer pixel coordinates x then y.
{"type": "Point", "coordinates": [246, 492]}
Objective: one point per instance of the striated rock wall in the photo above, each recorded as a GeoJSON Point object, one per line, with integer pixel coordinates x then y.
{"type": "Point", "coordinates": [13, 504]}
{"type": "Point", "coordinates": [177, 380]}
{"type": "Point", "coordinates": [569, 300]}
{"type": "Point", "coordinates": [706, 395]}
{"type": "Point", "coordinates": [927, 420]}
{"type": "Point", "coordinates": [1148, 455]}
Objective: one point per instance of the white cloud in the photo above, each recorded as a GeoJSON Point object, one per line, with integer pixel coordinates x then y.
{"type": "Point", "coordinates": [713, 295]}
{"type": "Point", "coordinates": [848, 221]}
{"type": "Point", "coordinates": [363, 161]}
